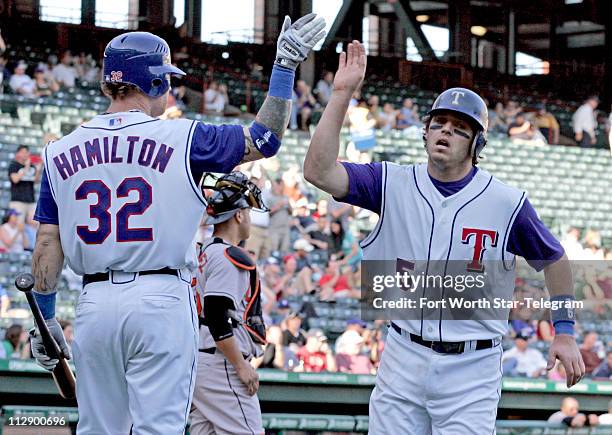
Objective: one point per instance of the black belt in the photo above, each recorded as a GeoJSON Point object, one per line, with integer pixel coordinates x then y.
{"type": "Point", "coordinates": [105, 276]}
{"type": "Point", "coordinates": [213, 350]}
{"type": "Point", "coordinates": [452, 347]}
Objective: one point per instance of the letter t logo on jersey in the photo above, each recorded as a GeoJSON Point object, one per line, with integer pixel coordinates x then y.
{"type": "Point", "coordinates": [479, 245]}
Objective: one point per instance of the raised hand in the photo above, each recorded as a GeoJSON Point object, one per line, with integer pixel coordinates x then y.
{"type": "Point", "coordinates": [351, 68]}
{"type": "Point", "coordinates": [296, 40]}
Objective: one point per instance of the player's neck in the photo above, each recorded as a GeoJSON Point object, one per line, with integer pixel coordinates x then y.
{"type": "Point", "coordinates": [131, 103]}
{"type": "Point", "coordinates": [448, 174]}
{"type": "Point", "coordinates": [228, 235]}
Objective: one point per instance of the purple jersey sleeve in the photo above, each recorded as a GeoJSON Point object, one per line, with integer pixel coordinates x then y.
{"type": "Point", "coordinates": [365, 185]}
{"type": "Point", "coordinates": [46, 209]}
{"type": "Point", "coordinates": [529, 238]}
{"type": "Point", "coordinates": [215, 148]}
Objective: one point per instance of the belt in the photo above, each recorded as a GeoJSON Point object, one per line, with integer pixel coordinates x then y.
{"type": "Point", "coordinates": [213, 350]}
{"type": "Point", "coordinates": [449, 347]}
{"type": "Point", "coordinates": [105, 276]}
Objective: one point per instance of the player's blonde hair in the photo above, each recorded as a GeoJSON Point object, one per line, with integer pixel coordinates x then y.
{"type": "Point", "coordinates": [119, 91]}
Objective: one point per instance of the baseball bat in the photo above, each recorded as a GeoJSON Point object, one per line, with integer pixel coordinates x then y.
{"type": "Point", "coordinates": [62, 374]}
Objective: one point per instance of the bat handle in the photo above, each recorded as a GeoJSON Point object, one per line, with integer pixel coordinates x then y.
{"type": "Point", "coordinates": [51, 345]}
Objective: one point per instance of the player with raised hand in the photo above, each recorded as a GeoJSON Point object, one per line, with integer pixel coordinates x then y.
{"type": "Point", "coordinates": [120, 202]}
{"type": "Point", "coordinates": [439, 375]}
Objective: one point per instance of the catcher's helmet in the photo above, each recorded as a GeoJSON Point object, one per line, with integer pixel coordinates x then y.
{"type": "Point", "coordinates": [140, 59]}
{"type": "Point", "coordinates": [469, 105]}
{"type": "Point", "coordinates": [232, 192]}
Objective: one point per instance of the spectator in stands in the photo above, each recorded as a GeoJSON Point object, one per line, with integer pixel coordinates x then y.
{"type": "Point", "coordinates": [292, 332]}
{"type": "Point", "coordinates": [44, 86]}
{"type": "Point", "coordinates": [273, 352]}
{"type": "Point", "coordinates": [557, 373]}
{"type": "Point", "coordinates": [316, 355]}
{"type": "Point", "coordinates": [592, 246]}
{"type": "Point", "coordinates": [571, 244]}
{"type": "Point", "coordinates": [606, 419]}
{"type": "Point", "coordinates": [5, 74]}
{"type": "Point", "coordinates": [30, 230]}
{"type": "Point", "coordinates": [497, 120]}
{"type": "Point", "coordinates": [324, 87]}
{"type": "Point", "coordinates": [320, 236]}
{"type": "Point", "coordinates": [306, 103]}
{"type": "Point", "coordinates": [523, 361]}
{"type": "Point", "coordinates": [64, 72]}
{"type": "Point", "coordinates": [353, 324]}
{"type": "Point", "coordinates": [23, 174]}
{"type": "Point", "coordinates": [5, 302]}
{"type": "Point", "coordinates": [280, 217]}
{"type": "Point", "coordinates": [214, 101]}
{"type": "Point", "coordinates": [511, 110]}
{"type": "Point", "coordinates": [335, 283]}
{"type": "Point", "coordinates": [545, 331]}
{"type": "Point", "coordinates": [12, 234]}
{"type": "Point", "coordinates": [584, 123]}
{"type": "Point", "coordinates": [2, 45]}
{"type": "Point", "coordinates": [387, 120]}
{"type": "Point", "coordinates": [604, 370]}
{"type": "Point", "coordinates": [340, 211]}
{"type": "Point", "coordinates": [345, 246]}
{"type": "Point", "coordinates": [68, 330]}
{"type": "Point", "coordinates": [408, 116]}
{"type": "Point", "coordinates": [570, 416]}
{"type": "Point", "coordinates": [547, 124]}
{"type": "Point", "coordinates": [259, 240]}
{"type": "Point", "coordinates": [21, 83]}
{"type": "Point", "coordinates": [374, 107]}
{"type": "Point", "coordinates": [588, 350]}
{"type": "Point", "coordinates": [349, 358]}
{"type": "Point", "coordinates": [13, 344]}
{"type": "Point", "coordinates": [522, 131]}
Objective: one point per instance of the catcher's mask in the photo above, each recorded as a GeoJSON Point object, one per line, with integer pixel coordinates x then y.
{"type": "Point", "coordinates": [231, 192]}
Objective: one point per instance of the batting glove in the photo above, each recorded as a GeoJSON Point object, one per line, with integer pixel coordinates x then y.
{"type": "Point", "coordinates": [38, 348]}
{"type": "Point", "coordinates": [296, 40]}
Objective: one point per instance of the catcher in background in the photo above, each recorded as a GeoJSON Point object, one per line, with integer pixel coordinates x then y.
{"type": "Point", "coordinates": [232, 331]}
{"type": "Point", "coordinates": [438, 375]}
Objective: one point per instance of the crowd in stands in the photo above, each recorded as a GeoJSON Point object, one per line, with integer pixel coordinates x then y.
{"type": "Point", "coordinates": [43, 79]}
{"type": "Point", "coordinates": [570, 415]}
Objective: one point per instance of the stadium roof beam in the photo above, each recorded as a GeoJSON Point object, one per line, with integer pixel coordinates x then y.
{"type": "Point", "coordinates": [407, 18]}
{"type": "Point", "coordinates": [460, 38]}
{"type": "Point", "coordinates": [347, 23]}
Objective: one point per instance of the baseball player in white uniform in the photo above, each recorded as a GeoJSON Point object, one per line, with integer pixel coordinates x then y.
{"type": "Point", "coordinates": [232, 330]}
{"type": "Point", "coordinates": [436, 375]}
{"type": "Point", "coordinates": [120, 203]}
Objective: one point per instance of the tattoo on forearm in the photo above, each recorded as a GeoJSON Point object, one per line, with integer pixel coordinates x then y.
{"type": "Point", "coordinates": [250, 152]}
{"type": "Point", "coordinates": [274, 114]}
{"type": "Point", "coordinates": [47, 262]}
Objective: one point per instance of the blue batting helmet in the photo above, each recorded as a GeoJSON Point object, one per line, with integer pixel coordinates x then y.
{"type": "Point", "coordinates": [469, 105]}
{"type": "Point", "coordinates": [140, 59]}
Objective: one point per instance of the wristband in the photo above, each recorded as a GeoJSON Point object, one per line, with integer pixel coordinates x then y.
{"type": "Point", "coordinates": [281, 82]}
{"type": "Point", "coordinates": [562, 314]}
{"type": "Point", "coordinates": [266, 142]}
{"type": "Point", "coordinates": [46, 303]}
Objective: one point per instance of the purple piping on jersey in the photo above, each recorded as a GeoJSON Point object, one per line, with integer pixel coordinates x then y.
{"type": "Point", "coordinates": [47, 172]}
{"type": "Point", "coordinates": [187, 168]}
{"type": "Point", "coordinates": [120, 128]}
{"type": "Point", "coordinates": [433, 223]}
{"type": "Point", "coordinates": [450, 247]}
{"type": "Point", "coordinates": [382, 210]}
{"type": "Point", "coordinates": [508, 230]}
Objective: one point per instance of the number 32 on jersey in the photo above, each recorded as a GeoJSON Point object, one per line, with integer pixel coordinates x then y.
{"type": "Point", "coordinates": [100, 211]}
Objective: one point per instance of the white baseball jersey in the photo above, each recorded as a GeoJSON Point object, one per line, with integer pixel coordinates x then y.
{"type": "Point", "coordinates": [418, 224]}
{"type": "Point", "coordinates": [218, 276]}
{"type": "Point", "coordinates": [126, 196]}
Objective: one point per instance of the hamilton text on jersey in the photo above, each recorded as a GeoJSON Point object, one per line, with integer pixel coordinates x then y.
{"type": "Point", "coordinates": [145, 152]}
